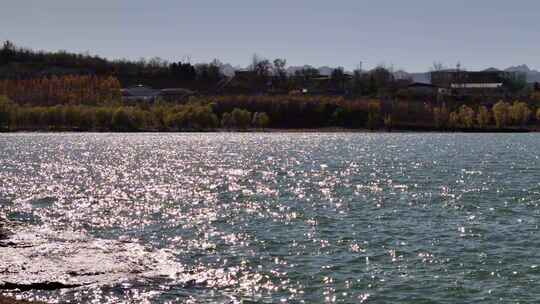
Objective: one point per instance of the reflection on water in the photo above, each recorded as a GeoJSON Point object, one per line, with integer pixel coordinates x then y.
{"type": "Point", "coordinates": [313, 218]}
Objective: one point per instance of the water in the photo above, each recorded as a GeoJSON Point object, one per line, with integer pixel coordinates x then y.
{"type": "Point", "coordinates": [232, 218]}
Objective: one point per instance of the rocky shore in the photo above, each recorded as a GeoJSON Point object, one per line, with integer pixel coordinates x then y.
{"type": "Point", "coordinates": [39, 258]}
{"type": "Point", "coordinates": [5, 300]}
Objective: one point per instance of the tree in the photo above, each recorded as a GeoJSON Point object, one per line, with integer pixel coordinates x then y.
{"type": "Point", "coordinates": [227, 120]}
{"type": "Point", "coordinates": [358, 82]}
{"type": "Point", "coordinates": [261, 120]}
{"type": "Point", "coordinates": [209, 73]}
{"type": "Point", "coordinates": [339, 117]}
{"type": "Point", "coordinates": [103, 118]}
{"type": "Point", "coordinates": [122, 120]}
{"type": "Point", "coordinates": [466, 116]}
{"type": "Point", "coordinates": [520, 113]}
{"type": "Point", "coordinates": [242, 118]}
{"type": "Point", "coordinates": [437, 66]}
{"type": "Point", "coordinates": [280, 72]}
{"type": "Point", "coordinates": [453, 120]}
{"type": "Point", "coordinates": [374, 114]}
{"type": "Point", "coordinates": [501, 113]}
{"type": "Point", "coordinates": [441, 116]}
{"type": "Point", "coordinates": [175, 121]}
{"type": "Point", "coordinates": [5, 111]}
{"type": "Point", "coordinates": [338, 78]}
{"type": "Point", "coordinates": [279, 68]}
{"type": "Point", "coordinates": [515, 82]}
{"type": "Point", "coordinates": [380, 79]}
{"type": "Point", "coordinates": [483, 117]}
{"type": "Point", "coordinates": [183, 71]}
{"type": "Point", "coordinates": [388, 123]}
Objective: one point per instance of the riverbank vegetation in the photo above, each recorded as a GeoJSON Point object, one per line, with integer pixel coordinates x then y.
{"type": "Point", "coordinates": [263, 112]}
{"type": "Point", "coordinates": [60, 91]}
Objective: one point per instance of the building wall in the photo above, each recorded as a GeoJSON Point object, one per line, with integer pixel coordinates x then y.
{"type": "Point", "coordinates": [447, 79]}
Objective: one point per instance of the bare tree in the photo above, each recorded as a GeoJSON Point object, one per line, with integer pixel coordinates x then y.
{"type": "Point", "coordinates": [437, 66]}
{"type": "Point", "coordinates": [279, 67]}
{"type": "Point", "coordinates": [261, 66]}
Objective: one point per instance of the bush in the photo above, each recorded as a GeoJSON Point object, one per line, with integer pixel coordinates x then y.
{"type": "Point", "coordinates": [5, 112]}
{"type": "Point", "coordinates": [123, 121]}
{"type": "Point", "coordinates": [241, 118]}
{"type": "Point", "coordinates": [261, 120]}
{"type": "Point", "coordinates": [466, 116]}
{"type": "Point", "coordinates": [501, 113]}
{"type": "Point", "coordinates": [374, 114]}
{"type": "Point", "coordinates": [483, 117]}
{"type": "Point", "coordinates": [103, 119]}
{"type": "Point", "coordinates": [520, 113]}
{"type": "Point", "coordinates": [440, 116]}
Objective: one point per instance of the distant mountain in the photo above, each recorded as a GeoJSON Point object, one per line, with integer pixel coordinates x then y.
{"type": "Point", "coordinates": [532, 75]}
{"type": "Point", "coordinates": [520, 68]}
{"type": "Point", "coordinates": [326, 70]}
{"type": "Point", "coordinates": [293, 69]}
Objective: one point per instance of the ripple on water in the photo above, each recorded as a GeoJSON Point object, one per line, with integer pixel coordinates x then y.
{"type": "Point", "coordinates": [363, 218]}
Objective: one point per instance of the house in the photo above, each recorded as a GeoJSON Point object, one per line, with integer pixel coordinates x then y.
{"type": "Point", "coordinates": [458, 82]}
{"type": "Point", "coordinates": [139, 93]}
{"type": "Point", "coordinates": [144, 93]}
{"type": "Point", "coordinates": [420, 88]}
{"type": "Point", "coordinates": [175, 94]}
{"type": "Point", "coordinates": [245, 75]}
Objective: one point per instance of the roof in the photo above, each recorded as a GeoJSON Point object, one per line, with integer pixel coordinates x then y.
{"type": "Point", "coordinates": [140, 91]}
{"type": "Point", "coordinates": [177, 91]}
{"type": "Point", "coordinates": [476, 85]}
{"type": "Point", "coordinates": [421, 85]}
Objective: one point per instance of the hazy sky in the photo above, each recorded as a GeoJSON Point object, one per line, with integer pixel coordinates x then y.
{"type": "Point", "coordinates": [408, 34]}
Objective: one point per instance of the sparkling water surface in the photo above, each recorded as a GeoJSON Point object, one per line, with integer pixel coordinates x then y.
{"type": "Point", "coordinates": [284, 217]}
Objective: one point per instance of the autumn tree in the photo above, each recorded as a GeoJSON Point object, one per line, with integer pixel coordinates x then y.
{"type": "Point", "coordinates": [260, 120]}
{"type": "Point", "coordinates": [519, 113]}
{"type": "Point", "coordinates": [483, 117]}
{"type": "Point", "coordinates": [242, 118]}
{"type": "Point", "coordinates": [453, 120]}
{"type": "Point", "coordinates": [5, 111]}
{"type": "Point", "coordinates": [466, 116]}
{"type": "Point", "coordinates": [501, 113]}
{"type": "Point", "coordinates": [441, 116]}
{"type": "Point", "coordinates": [374, 114]}
{"type": "Point", "coordinates": [122, 120]}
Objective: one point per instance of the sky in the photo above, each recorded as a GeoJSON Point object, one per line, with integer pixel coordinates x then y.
{"type": "Point", "coordinates": [408, 35]}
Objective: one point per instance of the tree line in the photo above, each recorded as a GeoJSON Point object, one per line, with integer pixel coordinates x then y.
{"type": "Point", "coordinates": [261, 112]}
{"type": "Point", "coordinates": [70, 89]}
{"type": "Point", "coordinates": [501, 115]}
{"type": "Point", "coordinates": [194, 116]}
{"type": "Point", "coordinates": [266, 76]}
{"type": "Point", "coordinates": [27, 63]}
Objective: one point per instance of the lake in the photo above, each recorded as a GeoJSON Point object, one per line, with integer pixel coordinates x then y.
{"type": "Point", "coordinates": [270, 217]}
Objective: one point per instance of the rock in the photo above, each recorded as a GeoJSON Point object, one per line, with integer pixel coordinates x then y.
{"type": "Point", "coordinates": [6, 300]}
{"type": "Point", "coordinates": [37, 286]}
{"type": "Point", "coordinates": [36, 258]}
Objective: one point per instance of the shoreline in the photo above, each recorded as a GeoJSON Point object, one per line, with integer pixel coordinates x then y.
{"type": "Point", "coordinates": [275, 131]}
{"type": "Point", "coordinates": [8, 300]}
{"type": "Point", "coordinates": [292, 130]}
